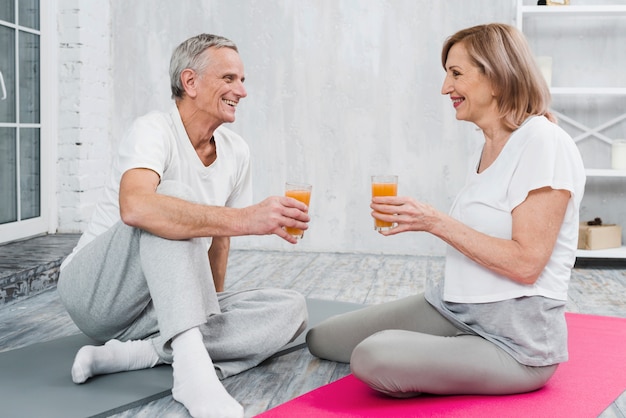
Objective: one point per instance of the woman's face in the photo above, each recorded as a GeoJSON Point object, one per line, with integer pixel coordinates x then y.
{"type": "Point", "coordinates": [470, 90]}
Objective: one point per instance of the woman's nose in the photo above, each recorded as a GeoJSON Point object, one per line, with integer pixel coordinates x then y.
{"type": "Point", "coordinates": [446, 87]}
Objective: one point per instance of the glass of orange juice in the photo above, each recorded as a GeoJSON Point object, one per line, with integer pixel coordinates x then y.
{"type": "Point", "coordinates": [384, 185]}
{"type": "Point", "coordinates": [301, 192]}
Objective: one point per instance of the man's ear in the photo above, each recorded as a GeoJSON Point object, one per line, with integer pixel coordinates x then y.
{"type": "Point", "coordinates": [188, 79]}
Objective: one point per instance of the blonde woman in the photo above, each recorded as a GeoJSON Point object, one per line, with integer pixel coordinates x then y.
{"type": "Point", "coordinates": [495, 324]}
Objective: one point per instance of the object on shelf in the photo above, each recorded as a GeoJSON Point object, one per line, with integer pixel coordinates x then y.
{"type": "Point", "coordinates": [545, 66]}
{"type": "Point", "coordinates": [557, 2]}
{"type": "Point", "coordinates": [596, 221]}
{"type": "Point", "coordinates": [593, 235]}
{"type": "Point", "coordinates": [618, 154]}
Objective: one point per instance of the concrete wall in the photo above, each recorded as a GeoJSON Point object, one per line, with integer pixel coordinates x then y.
{"type": "Point", "coordinates": [337, 90]}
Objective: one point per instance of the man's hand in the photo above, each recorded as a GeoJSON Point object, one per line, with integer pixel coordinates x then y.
{"type": "Point", "coordinates": [172, 218]}
{"type": "Point", "coordinates": [273, 214]}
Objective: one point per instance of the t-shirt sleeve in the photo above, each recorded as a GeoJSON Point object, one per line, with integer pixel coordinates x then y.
{"type": "Point", "coordinates": [144, 146]}
{"type": "Point", "coordinates": [548, 159]}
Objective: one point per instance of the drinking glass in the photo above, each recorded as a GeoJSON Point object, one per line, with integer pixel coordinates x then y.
{"type": "Point", "coordinates": [384, 185]}
{"type": "Point", "coordinates": [301, 192]}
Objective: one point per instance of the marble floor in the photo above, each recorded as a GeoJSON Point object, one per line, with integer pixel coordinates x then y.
{"type": "Point", "coordinates": [362, 278]}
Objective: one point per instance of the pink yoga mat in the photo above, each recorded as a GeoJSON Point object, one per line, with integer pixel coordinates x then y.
{"type": "Point", "coordinates": [594, 376]}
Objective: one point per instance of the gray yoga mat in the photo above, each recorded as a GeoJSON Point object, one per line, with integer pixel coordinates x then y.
{"type": "Point", "coordinates": [319, 310]}
{"type": "Point", "coordinates": [35, 381]}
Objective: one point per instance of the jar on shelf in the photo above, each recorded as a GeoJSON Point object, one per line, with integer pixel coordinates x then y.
{"type": "Point", "coordinates": [545, 66]}
{"type": "Point", "coordinates": [618, 154]}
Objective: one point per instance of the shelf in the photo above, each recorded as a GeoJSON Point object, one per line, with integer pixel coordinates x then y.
{"type": "Point", "coordinates": [604, 172]}
{"type": "Point", "coordinates": [548, 15]}
{"type": "Point", "coordinates": [594, 11]}
{"type": "Point", "coordinates": [608, 253]}
{"type": "Point", "coordinates": [589, 91]}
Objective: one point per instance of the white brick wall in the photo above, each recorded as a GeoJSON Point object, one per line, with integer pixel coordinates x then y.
{"type": "Point", "coordinates": [84, 108]}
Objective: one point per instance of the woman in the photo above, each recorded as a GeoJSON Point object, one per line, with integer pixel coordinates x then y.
{"type": "Point", "coordinates": [496, 323]}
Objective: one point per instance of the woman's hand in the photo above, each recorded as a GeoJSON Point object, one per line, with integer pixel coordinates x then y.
{"type": "Point", "coordinates": [536, 223]}
{"type": "Point", "coordinates": [406, 213]}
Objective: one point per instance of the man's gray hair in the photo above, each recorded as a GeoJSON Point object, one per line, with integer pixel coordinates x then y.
{"type": "Point", "coordinates": [189, 55]}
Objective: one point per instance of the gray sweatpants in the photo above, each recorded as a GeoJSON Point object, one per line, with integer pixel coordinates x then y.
{"type": "Point", "coordinates": [128, 284]}
{"type": "Point", "coordinates": [406, 347]}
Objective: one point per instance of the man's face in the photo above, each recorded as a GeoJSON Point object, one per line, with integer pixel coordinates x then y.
{"type": "Point", "coordinates": [220, 87]}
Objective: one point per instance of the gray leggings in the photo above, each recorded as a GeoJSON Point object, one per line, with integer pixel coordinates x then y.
{"type": "Point", "coordinates": [406, 347]}
{"type": "Point", "coordinates": [129, 284]}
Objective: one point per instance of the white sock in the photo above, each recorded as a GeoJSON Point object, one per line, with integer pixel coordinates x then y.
{"type": "Point", "coordinates": [114, 356]}
{"type": "Point", "coordinates": [196, 384]}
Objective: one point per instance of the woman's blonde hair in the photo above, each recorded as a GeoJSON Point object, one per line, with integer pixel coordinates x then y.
{"type": "Point", "coordinates": [502, 53]}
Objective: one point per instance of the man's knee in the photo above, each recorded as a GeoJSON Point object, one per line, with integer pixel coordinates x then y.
{"type": "Point", "coordinates": [298, 303]}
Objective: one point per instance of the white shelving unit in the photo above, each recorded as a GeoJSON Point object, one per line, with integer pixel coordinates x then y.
{"type": "Point", "coordinates": [604, 172]}
{"type": "Point", "coordinates": [571, 10]}
{"type": "Point", "coordinates": [591, 11]}
{"type": "Point", "coordinates": [589, 91]}
{"type": "Point", "coordinates": [615, 253]}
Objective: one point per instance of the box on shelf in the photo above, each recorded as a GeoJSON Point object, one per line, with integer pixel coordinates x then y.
{"type": "Point", "coordinates": [599, 237]}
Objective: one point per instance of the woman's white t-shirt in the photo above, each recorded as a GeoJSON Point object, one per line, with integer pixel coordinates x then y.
{"type": "Point", "coordinates": [538, 154]}
{"type": "Point", "coordinates": [526, 321]}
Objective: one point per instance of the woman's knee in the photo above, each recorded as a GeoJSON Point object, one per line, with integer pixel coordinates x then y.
{"type": "Point", "coordinates": [324, 342]}
{"type": "Point", "coordinates": [316, 343]}
{"type": "Point", "coordinates": [369, 359]}
{"type": "Point", "coordinates": [377, 362]}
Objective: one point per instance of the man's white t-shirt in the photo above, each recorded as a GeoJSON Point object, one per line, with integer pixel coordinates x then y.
{"type": "Point", "coordinates": [538, 154]}
{"type": "Point", "coordinates": [158, 141]}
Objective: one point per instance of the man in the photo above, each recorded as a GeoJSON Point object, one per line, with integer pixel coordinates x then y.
{"type": "Point", "coordinates": [140, 276]}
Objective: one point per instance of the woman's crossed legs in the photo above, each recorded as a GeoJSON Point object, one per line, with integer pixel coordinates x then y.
{"type": "Point", "coordinates": [406, 347]}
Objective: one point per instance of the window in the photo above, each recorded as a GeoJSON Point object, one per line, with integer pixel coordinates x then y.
{"type": "Point", "coordinates": [21, 188]}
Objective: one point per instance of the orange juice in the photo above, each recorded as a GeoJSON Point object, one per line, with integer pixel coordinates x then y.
{"type": "Point", "coordinates": [383, 189]}
{"type": "Point", "coordinates": [304, 196]}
